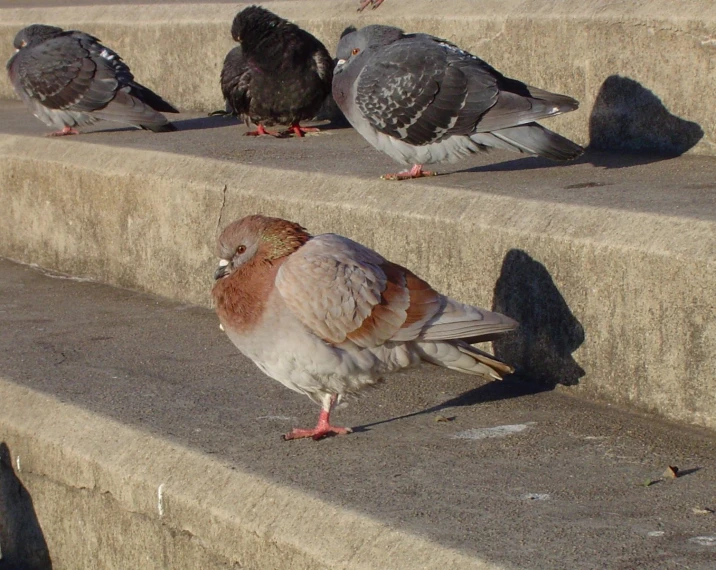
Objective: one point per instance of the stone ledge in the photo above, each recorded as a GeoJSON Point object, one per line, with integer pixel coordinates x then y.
{"type": "Point", "coordinates": [109, 495]}
{"type": "Point", "coordinates": [613, 298]}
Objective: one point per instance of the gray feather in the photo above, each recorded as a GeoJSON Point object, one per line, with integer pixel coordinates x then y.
{"type": "Point", "coordinates": [422, 100]}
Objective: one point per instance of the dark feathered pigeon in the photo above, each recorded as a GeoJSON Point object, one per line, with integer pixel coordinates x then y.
{"type": "Point", "coordinates": [280, 74]}
{"type": "Point", "coordinates": [69, 79]}
{"type": "Point", "coordinates": [423, 100]}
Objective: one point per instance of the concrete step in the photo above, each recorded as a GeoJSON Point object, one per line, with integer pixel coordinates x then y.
{"type": "Point", "coordinates": [607, 262]}
{"type": "Point", "coordinates": [133, 435]}
{"type": "Point", "coordinates": [643, 72]}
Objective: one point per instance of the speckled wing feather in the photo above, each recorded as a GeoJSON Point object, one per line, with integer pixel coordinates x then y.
{"type": "Point", "coordinates": [71, 72]}
{"type": "Point", "coordinates": [421, 89]}
{"type": "Point", "coordinates": [344, 291]}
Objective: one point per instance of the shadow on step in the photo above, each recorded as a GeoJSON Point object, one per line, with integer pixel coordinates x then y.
{"type": "Point", "coordinates": [628, 126]}
{"type": "Point", "coordinates": [22, 543]}
{"type": "Point", "coordinates": [540, 350]}
{"type": "Point", "coordinates": [629, 118]}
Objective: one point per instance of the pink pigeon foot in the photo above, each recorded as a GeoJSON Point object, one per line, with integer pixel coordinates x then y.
{"type": "Point", "coordinates": [300, 131]}
{"type": "Point", "coordinates": [323, 429]}
{"type": "Point", "coordinates": [365, 3]}
{"type": "Point", "coordinates": [415, 172]}
{"type": "Point", "coordinates": [260, 130]}
{"type": "Point", "coordinates": [64, 132]}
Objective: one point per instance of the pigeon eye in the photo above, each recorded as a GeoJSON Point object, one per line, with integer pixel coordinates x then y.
{"type": "Point", "coordinates": [355, 51]}
{"type": "Point", "coordinates": [241, 249]}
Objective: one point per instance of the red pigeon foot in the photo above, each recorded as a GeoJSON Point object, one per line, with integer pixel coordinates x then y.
{"type": "Point", "coordinates": [323, 427]}
{"type": "Point", "coordinates": [319, 432]}
{"type": "Point", "coordinates": [261, 131]}
{"type": "Point", "coordinates": [300, 131]}
{"type": "Point", "coordinates": [415, 172]}
{"type": "Point", "coordinates": [365, 3]}
{"type": "Point", "coordinates": [64, 132]}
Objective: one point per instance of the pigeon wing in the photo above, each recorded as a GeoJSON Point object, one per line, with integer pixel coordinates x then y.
{"type": "Point", "coordinates": [236, 82]}
{"type": "Point", "coordinates": [421, 89]}
{"type": "Point", "coordinates": [62, 73]}
{"type": "Point", "coordinates": [343, 291]}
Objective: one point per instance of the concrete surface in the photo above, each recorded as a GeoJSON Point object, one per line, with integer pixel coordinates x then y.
{"type": "Point", "coordinates": [138, 437]}
{"type": "Point", "coordinates": [608, 263]}
{"type": "Point", "coordinates": [644, 72]}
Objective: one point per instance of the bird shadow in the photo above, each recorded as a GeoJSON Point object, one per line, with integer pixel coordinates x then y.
{"type": "Point", "coordinates": [22, 542]}
{"type": "Point", "coordinates": [629, 118]}
{"type": "Point", "coordinates": [628, 126]}
{"type": "Point", "coordinates": [540, 349]}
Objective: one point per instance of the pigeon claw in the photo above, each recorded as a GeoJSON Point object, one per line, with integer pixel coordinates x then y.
{"type": "Point", "coordinates": [365, 3]}
{"type": "Point", "coordinates": [319, 432]}
{"type": "Point", "coordinates": [260, 130]}
{"type": "Point", "coordinates": [64, 132]}
{"type": "Point", "coordinates": [415, 172]}
{"type": "Point", "coordinates": [323, 427]}
{"type": "Point", "coordinates": [300, 131]}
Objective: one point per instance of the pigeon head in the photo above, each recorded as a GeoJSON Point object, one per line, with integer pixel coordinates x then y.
{"type": "Point", "coordinates": [354, 45]}
{"type": "Point", "coordinates": [259, 239]}
{"type": "Point", "coordinates": [35, 34]}
{"type": "Point", "coordinates": [255, 24]}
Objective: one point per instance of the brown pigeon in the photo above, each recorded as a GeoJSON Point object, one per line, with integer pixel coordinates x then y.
{"type": "Point", "coordinates": [279, 74]}
{"type": "Point", "coordinates": [68, 79]}
{"type": "Point", "coordinates": [328, 317]}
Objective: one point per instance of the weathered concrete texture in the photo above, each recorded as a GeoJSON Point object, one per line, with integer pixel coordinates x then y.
{"type": "Point", "coordinates": [133, 435]}
{"type": "Point", "coordinates": [109, 496]}
{"type": "Point", "coordinates": [645, 74]}
{"type": "Point", "coordinates": [609, 270]}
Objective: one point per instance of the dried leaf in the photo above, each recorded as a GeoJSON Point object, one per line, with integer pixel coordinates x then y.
{"type": "Point", "coordinates": [702, 511]}
{"type": "Point", "coordinates": [671, 472]}
{"type": "Point", "coordinates": [439, 418]}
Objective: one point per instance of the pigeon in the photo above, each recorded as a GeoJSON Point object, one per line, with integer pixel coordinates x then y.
{"type": "Point", "coordinates": [279, 74]}
{"type": "Point", "coordinates": [328, 317]}
{"type": "Point", "coordinates": [423, 100]}
{"type": "Point", "coordinates": [69, 79]}
{"type": "Point", "coordinates": [372, 3]}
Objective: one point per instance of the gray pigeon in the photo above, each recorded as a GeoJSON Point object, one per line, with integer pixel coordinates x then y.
{"type": "Point", "coordinates": [69, 79]}
{"type": "Point", "coordinates": [423, 100]}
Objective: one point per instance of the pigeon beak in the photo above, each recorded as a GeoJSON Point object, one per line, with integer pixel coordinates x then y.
{"type": "Point", "coordinates": [340, 62]}
{"type": "Point", "coordinates": [222, 270]}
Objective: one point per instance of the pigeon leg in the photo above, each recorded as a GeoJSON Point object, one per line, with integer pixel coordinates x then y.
{"type": "Point", "coordinates": [261, 131]}
{"type": "Point", "coordinates": [64, 132]}
{"type": "Point", "coordinates": [366, 3]}
{"type": "Point", "coordinates": [323, 427]}
{"type": "Point", "coordinates": [299, 131]}
{"type": "Point", "coordinates": [415, 172]}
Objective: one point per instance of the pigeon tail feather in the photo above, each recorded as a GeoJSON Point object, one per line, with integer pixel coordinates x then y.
{"type": "Point", "coordinates": [129, 110]}
{"type": "Point", "coordinates": [149, 97]}
{"type": "Point", "coordinates": [531, 138]}
{"type": "Point", "coordinates": [465, 358]}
